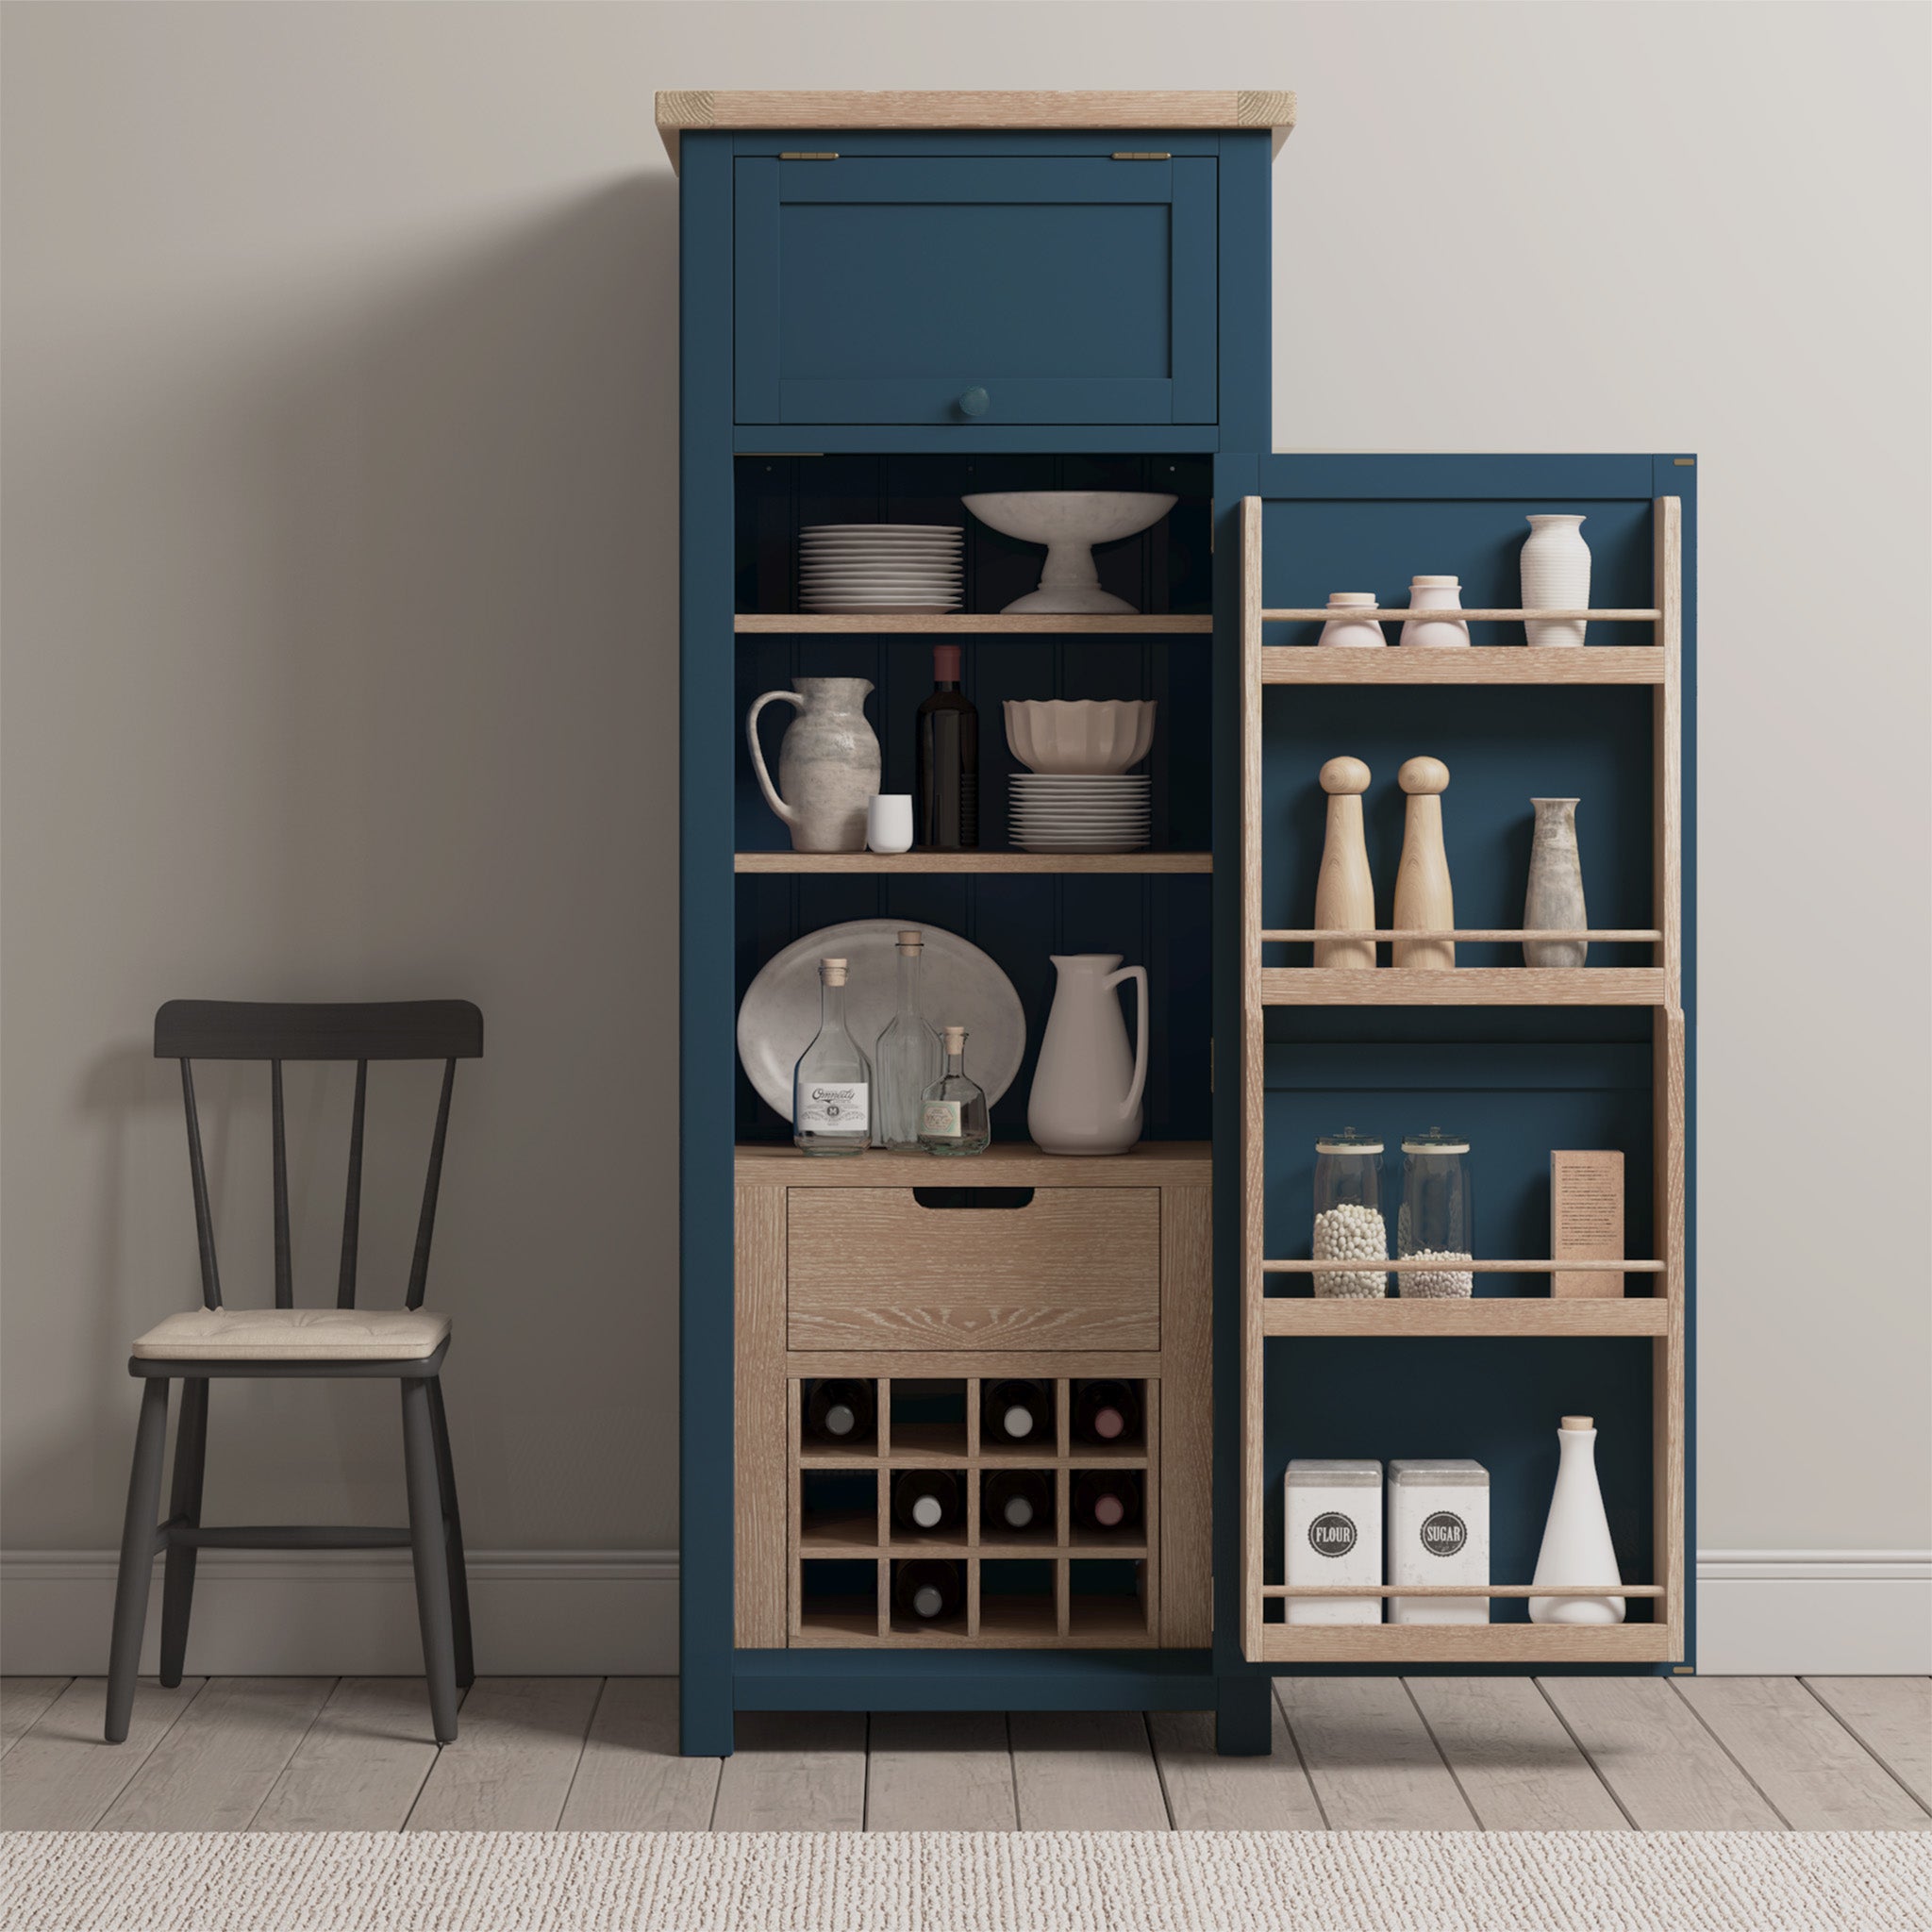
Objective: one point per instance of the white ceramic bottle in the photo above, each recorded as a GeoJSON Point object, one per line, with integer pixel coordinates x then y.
{"type": "Point", "coordinates": [1349, 629]}
{"type": "Point", "coordinates": [1555, 576]}
{"type": "Point", "coordinates": [1576, 1539]}
{"type": "Point", "coordinates": [1435, 633]}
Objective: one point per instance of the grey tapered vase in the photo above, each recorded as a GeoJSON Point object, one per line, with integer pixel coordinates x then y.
{"type": "Point", "coordinates": [1555, 900]}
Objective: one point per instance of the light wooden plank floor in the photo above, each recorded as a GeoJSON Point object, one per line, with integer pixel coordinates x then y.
{"type": "Point", "coordinates": [1443, 1754]}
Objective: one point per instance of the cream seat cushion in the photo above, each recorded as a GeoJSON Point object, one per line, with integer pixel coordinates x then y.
{"type": "Point", "coordinates": [319, 1335]}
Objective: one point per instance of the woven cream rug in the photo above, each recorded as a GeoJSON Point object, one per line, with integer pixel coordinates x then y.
{"type": "Point", "coordinates": [964, 1882]}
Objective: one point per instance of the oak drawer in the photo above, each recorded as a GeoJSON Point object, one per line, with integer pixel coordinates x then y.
{"type": "Point", "coordinates": [873, 1267]}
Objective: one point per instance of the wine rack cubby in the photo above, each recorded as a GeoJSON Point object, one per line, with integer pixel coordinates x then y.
{"type": "Point", "coordinates": [1060, 1583]}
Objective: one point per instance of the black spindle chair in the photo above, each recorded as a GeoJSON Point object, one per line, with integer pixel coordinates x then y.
{"type": "Point", "coordinates": [213, 1343]}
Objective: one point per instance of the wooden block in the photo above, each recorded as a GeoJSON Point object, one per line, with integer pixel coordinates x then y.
{"type": "Point", "coordinates": [1586, 1219]}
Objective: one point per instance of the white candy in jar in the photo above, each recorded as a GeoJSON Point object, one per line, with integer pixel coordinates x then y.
{"type": "Point", "coordinates": [1349, 1232]}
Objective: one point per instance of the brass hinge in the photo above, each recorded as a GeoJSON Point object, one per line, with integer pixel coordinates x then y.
{"type": "Point", "coordinates": [798, 155]}
{"type": "Point", "coordinates": [1150, 155]}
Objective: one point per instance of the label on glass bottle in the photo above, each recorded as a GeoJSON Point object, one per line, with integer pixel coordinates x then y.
{"type": "Point", "coordinates": [939, 1120]}
{"type": "Point", "coordinates": [834, 1107]}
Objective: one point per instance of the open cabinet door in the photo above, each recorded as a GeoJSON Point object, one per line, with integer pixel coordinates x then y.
{"type": "Point", "coordinates": [1586, 1052]}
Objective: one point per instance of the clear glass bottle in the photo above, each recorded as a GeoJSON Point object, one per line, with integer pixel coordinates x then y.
{"type": "Point", "coordinates": [831, 1090]}
{"type": "Point", "coordinates": [1349, 1222]}
{"type": "Point", "coordinates": [952, 1118]}
{"type": "Point", "coordinates": [1436, 1222]}
{"type": "Point", "coordinates": [906, 1060]}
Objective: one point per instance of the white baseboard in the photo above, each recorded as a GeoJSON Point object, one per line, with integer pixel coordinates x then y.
{"type": "Point", "coordinates": [1852, 1613]}
{"type": "Point", "coordinates": [351, 1613]}
{"type": "Point", "coordinates": [1769, 1612]}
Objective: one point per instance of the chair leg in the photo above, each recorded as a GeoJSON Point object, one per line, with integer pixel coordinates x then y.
{"type": "Point", "coordinates": [453, 1532]}
{"type": "Point", "coordinates": [428, 1545]}
{"type": "Point", "coordinates": [177, 1585]}
{"type": "Point", "coordinates": [137, 1556]}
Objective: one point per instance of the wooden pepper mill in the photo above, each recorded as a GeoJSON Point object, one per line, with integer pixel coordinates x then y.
{"type": "Point", "coordinates": [1345, 892]}
{"type": "Point", "coordinates": [1423, 899]}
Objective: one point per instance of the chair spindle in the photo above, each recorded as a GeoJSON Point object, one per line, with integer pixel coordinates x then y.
{"type": "Point", "coordinates": [426, 1225]}
{"type": "Point", "coordinates": [285, 1270]}
{"type": "Point", "coordinates": [352, 1199]}
{"type": "Point", "coordinates": [197, 1171]}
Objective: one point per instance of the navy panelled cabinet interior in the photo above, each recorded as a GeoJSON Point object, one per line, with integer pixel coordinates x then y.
{"type": "Point", "coordinates": [876, 321]}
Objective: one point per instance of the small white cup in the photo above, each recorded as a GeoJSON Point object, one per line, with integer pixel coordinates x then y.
{"type": "Point", "coordinates": [889, 821]}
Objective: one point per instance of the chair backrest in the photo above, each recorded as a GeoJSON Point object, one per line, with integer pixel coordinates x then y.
{"type": "Point", "coordinates": [189, 1030]}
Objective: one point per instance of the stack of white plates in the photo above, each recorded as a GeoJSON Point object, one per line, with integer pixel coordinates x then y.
{"type": "Point", "coordinates": [857, 567]}
{"type": "Point", "coordinates": [1080, 814]}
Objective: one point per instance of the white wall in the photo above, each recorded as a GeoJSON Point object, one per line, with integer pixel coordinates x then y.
{"type": "Point", "coordinates": [340, 604]}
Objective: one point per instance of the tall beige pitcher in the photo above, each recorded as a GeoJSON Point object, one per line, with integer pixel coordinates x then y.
{"type": "Point", "coordinates": [829, 765]}
{"type": "Point", "coordinates": [1087, 1085]}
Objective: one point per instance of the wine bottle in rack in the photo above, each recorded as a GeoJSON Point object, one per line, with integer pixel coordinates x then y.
{"type": "Point", "coordinates": [1015, 1500]}
{"type": "Point", "coordinates": [840, 1411]}
{"type": "Point", "coordinates": [925, 1499]}
{"type": "Point", "coordinates": [1107, 1501]}
{"type": "Point", "coordinates": [1017, 1412]}
{"type": "Point", "coordinates": [928, 1590]}
{"type": "Point", "coordinates": [1107, 1412]}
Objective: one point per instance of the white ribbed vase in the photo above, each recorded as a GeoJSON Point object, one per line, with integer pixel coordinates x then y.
{"type": "Point", "coordinates": [1555, 576]}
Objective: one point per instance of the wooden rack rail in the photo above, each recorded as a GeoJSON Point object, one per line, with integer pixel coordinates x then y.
{"type": "Point", "coordinates": [1363, 614]}
{"type": "Point", "coordinates": [1462, 1590]}
{"type": "Point", "coordinates": [1411, 1265]}
{"type": "Point", "coordinates": [1612, 935]}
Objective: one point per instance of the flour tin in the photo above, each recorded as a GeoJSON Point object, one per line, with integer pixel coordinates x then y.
{"type": "Point", "coordinates": [1439, 1532]}
{"type": "Point", "coordinates": [1334, 1536]}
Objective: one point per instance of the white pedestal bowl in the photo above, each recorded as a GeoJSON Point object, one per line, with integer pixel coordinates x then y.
{"type": "Point", "coordinates": [1070, 522]}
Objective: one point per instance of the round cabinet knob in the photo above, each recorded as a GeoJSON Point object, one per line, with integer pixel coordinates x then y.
{"type": "Point", "coordinates": [975, 401]}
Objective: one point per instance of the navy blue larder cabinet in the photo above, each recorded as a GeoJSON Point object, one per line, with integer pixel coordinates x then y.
{"type": "Point", "coordinates": [877, 321]}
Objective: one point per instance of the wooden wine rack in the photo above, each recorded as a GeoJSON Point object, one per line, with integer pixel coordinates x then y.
{"type": "Point", "coordinates": [1063, 1615]}
{"type": "Point", "coordinates": [1101, 1272]}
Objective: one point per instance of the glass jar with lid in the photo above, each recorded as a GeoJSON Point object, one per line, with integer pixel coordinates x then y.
{"type": "Point", "coordinates": [1349, 1223]}
{"type": "Point", "coordinates": [1436, 1221]}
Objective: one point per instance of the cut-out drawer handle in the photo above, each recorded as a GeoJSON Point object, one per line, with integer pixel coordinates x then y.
{"type": "Point", "coordinates": [954, 1198]}
{"type": "Point", "coordinates": [974, 401]}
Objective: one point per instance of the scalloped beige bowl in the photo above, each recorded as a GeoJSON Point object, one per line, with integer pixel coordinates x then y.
{"type": "Point", "coordinates": [1079, 737]}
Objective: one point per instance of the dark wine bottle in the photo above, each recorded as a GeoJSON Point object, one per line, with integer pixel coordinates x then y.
{"type": "Point", "coordinates": [925, 1499]}
{"type": "Point", "coordinates": [840, 1411]}
{"type": "Point", "coordinates": [1107, 1501]}
{"type": "Point", "coordinates": [1107, 1412]}
{"type": "Point", "coordinates": [1015, 1502]}
{"type": "Point", "coordinates": [928, 1590]}
{"type": "Point", "coordinates": [1018, 1412]}
{"type": "Point", "coordinates": [948, 760]}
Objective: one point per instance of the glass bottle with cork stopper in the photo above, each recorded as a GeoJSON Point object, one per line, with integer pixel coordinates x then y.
{"type": "Point", "coordinates": [831, 1087]}
{"type": "Point", "coordinates": [952, 1118]}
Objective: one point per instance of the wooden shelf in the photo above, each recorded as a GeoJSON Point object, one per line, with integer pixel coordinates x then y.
{"type": "Point", "coordinates": [940, 862]}
{"type": "Point", "coordinates": [1479, 1315]}
{"type": "Point", "coordinates": [966, 624]}
{"type": "Point", "coordinates": [1479, 664]}
{"type": "Point", "coordinates": [1463, 986]}
{"type": "Point", "coordinates": [1420, 1265]}
{"type": "Point", "coordinates": [1468, 1643]}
